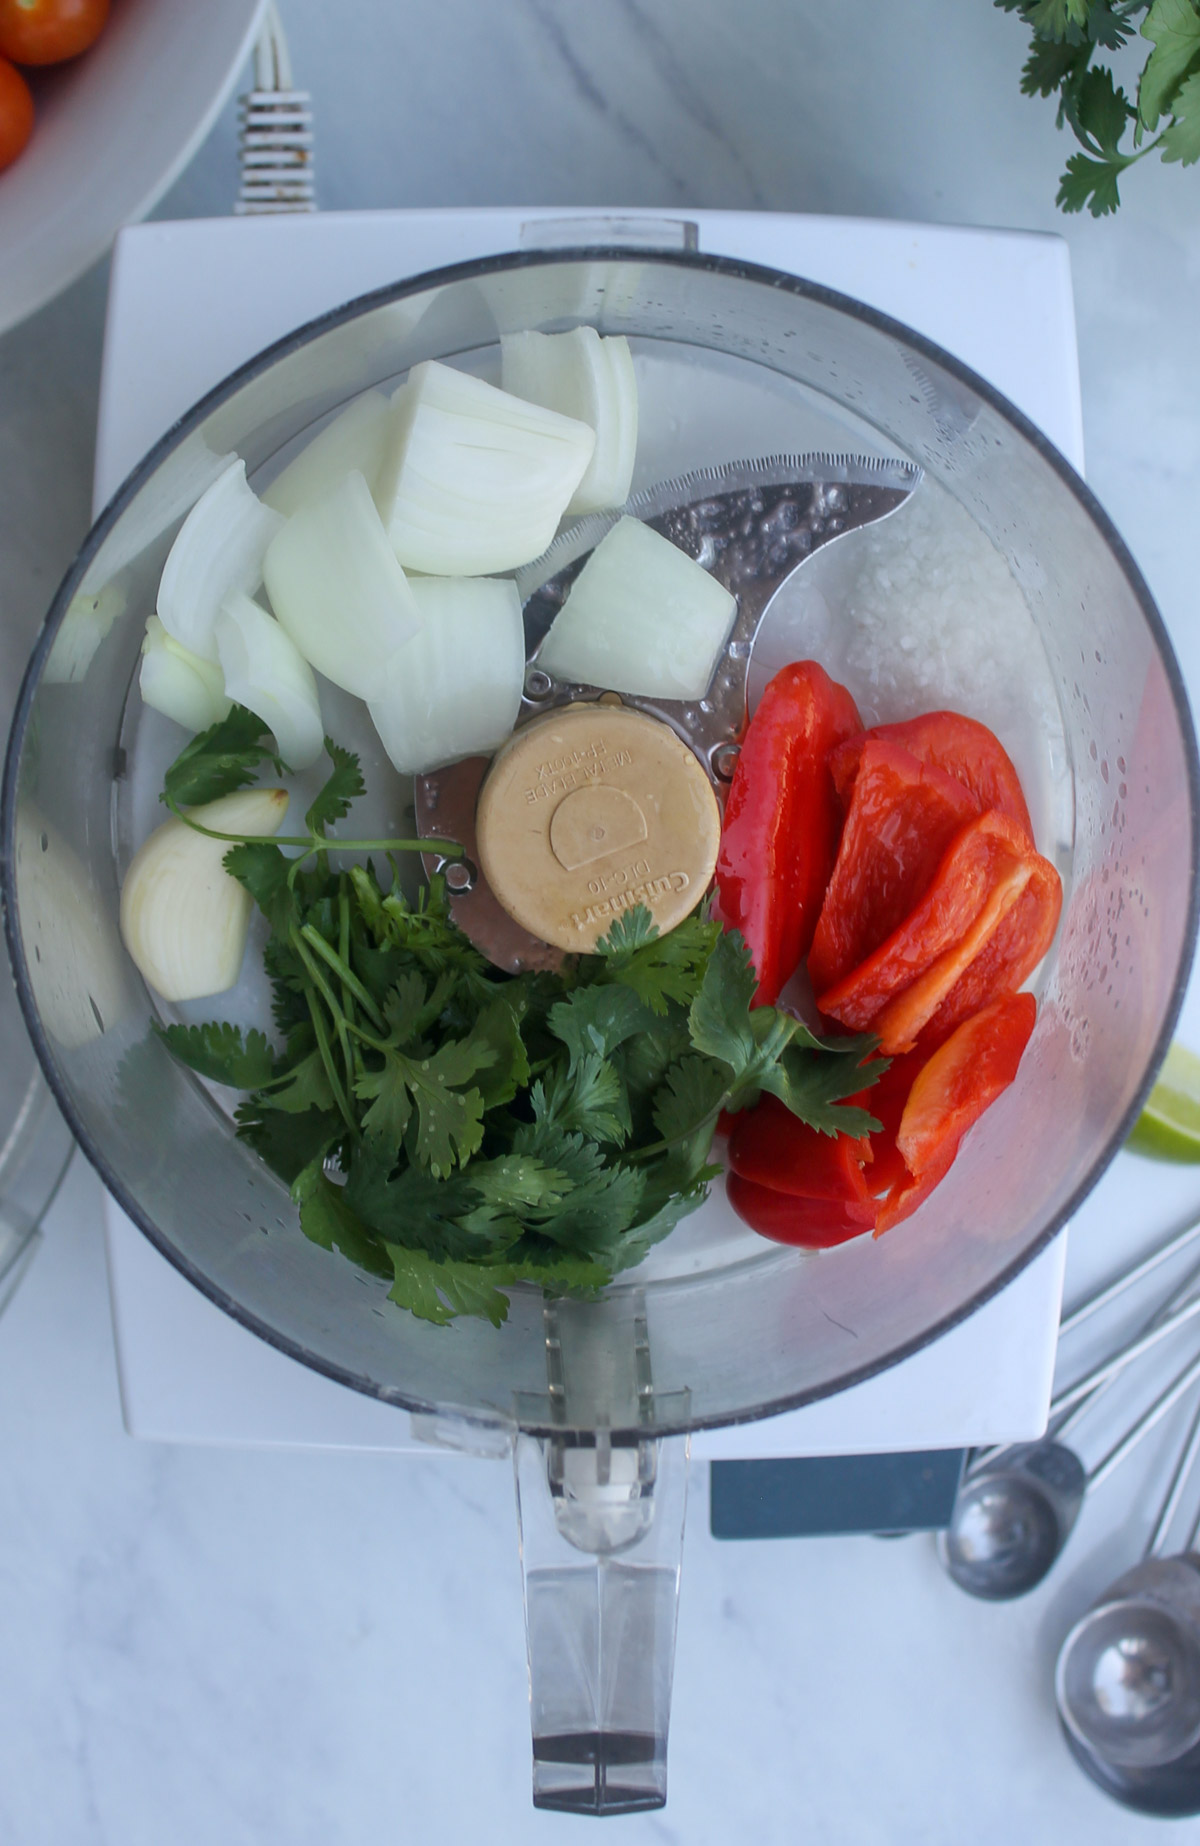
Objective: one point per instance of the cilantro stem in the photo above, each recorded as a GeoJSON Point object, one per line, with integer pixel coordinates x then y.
{"type": "Point", "coordinates": [326, 1050]}
{"type": "Point", "coordinates": [345, 973]}
{"type": "Point", "coordinates": [318, 842]}
{"type": "Point", "coordinates": [339, 1021]}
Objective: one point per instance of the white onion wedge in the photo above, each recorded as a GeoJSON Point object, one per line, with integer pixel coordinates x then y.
{"type": "Point", "coordinates": [219, 547]}
{"type": "Point", "coordinates": [337, 589]}
{"type": "Point", "coordinates": [584, 376]}
{"type": "Point", "coordinates": [356, 439]}
{"type": "Point", "coordinates": [455, 689]}
{"type": "Point", "coordinates": [476, 480]}
{"type": "Point", "coordinates": [184, 920]}
{"type": "Point", "coordinates": [641, 617]}
{"type": "Point", "coordinates": [265, 671]}
{"type": "Point", "coordinates": [177, 682]}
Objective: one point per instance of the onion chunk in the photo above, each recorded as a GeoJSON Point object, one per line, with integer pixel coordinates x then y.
{"type": "Point", "coordinates": [355, 439]}
{"type": "Point", "coordinates": [589, 378]}
{"type": "Point", "coordinates": [219, 547]}
{"type": "Point", "coordinates": [476, 480]}
{"type": "Point", "coordinates": [265, 671]}
{"type": "Point", "coordinates": [179, 683]}
{"type": "Point", "coordinates": [455, 689]}
{"type": "Point", "coordinates": [337, 589]}
{"type": "Point", "coordinates": [641, 617]}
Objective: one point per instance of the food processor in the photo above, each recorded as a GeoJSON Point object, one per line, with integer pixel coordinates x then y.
{"type": "Point", "coordinates": [596, 1400]}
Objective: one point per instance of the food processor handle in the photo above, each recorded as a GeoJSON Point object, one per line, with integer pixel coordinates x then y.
{"type": "Point", "coordinates": [601, 1499]}
{"type": "Point", "coordinates": [601, 1534]}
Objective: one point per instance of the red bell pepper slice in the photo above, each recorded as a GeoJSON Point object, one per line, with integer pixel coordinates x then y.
{"type": "Point", "coordinates": [961, 1079]}
{"type": "Point", "coordinates": [782, 819]}
{"type": "Point", "coordinates": [772, 1147]}
{"type": "Point", "coordinates": [808, 1224]}
{"type": "Point", "coordinates": [981, 928]}
{"type": "Point", "coordinates": [962, 747]}
{"type": "Point", "coordinates": [886, 1100]}
{"type": "Point", "coordinates": [902, 816]}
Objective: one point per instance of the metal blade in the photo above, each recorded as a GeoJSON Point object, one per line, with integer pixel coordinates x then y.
{"type": "Point", "coordinates": [752, 525]}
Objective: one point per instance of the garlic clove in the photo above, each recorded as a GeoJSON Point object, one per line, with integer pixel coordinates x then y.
{"type": "Point", "coordinates": [184, 919]}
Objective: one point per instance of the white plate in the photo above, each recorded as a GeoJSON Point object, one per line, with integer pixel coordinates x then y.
{"type": "Point", "coordinates": [114, 129]}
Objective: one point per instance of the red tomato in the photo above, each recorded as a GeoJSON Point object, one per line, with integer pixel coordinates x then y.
{"type": "Point", "coordinates": [963, 1078]}
{"type": "Point", "coordinates": [47, 31]}
{"type": "Point", "coordinates": [16, 113]}
{"type": "Point", "coordinates": [981, 927]}
{"type": "Point", "coordinates": [810, 1224]}
{"type": "Point", "coordinates": [964, 748]}
{"type": "Point", "coordinates": [902, 816]}
{"type": "Point", "coordinates": [781, 821]}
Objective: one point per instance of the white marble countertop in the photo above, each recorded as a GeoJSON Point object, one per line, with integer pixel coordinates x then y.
{"type": "Point", "coordinates": [264, 1648]}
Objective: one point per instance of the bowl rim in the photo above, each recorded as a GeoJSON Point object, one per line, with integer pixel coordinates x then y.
{"type": "Point", "coordinates": [51, 279]}
{"type": "Point", "coordinates": [735, 269]}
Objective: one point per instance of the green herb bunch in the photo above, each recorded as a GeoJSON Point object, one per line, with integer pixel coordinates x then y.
{"type": "Point", "coordinates": [1112, 130]}
{"type": "Point", "coordinates": [456, 1129]}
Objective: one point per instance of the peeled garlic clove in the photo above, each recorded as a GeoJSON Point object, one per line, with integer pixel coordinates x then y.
{"type": "Point", "coordinates": [184, 920]}
{"type": "Point", "coordinates": [178, 683]}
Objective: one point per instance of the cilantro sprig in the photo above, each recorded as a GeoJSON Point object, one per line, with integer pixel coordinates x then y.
{"type": "Point", "coordinates": [1110, 127]}
{"type": "Point", "coordinates": [458, 1130]}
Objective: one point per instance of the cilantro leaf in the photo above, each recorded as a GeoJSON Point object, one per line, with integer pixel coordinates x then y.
{"type": "Point", "coordinates": [1055, 19]}
{"type": "Point", "coordinates": [658, 968]}
{"type": "Point", "coordinates": [631, 931]}
{"type": "Point", "coordinates": [690, 1097]}
{"type": "Point", "coordinates": [306, 1086]}
{"type": "Point", "coordinates": [603, 1198]}
{"type": "Point", "coordinates": [221, 759]}
{"type": "Point", "coordinates": [719, 1017]}
{"type": "Point", "coordinates": [593, 1021]}
{"type": "Point", "coordinates": [262, 869]}
{"type": "Point", "coordinates": [1092, 183]}
{"type": "Point", "coordinates": [814, 1084]}
{"type": "Point", "coordinates": [587, 1100]}
{"type": "Point", "coordinates": [498, 1029]}
{"type": "Point", "coordinates": [288, 1143]}
{"type": "Point", "coordinates": [438, 1291]}
{"type": "Point", "coordinates": [449, 1115]}
{"type": "Point", "coordinates": [1181, 141]}
{"type": "Point", "coordinates": [1108, 28]}
{"type": "Point", "coordinates": [1099, 111]}
{"type": "Point", "coordinates": [326, 1219]}
{"type": "Point", "coordinates": [219, 1052]}
{"type": "Point", "coordinates": [1049, 63]}
{"type": "Point", "coordinates": [420, 1211]}
{"type": "Point", "coordinates": [1173, 28]}
{"type": "Point", "coordinates": [344, 786]}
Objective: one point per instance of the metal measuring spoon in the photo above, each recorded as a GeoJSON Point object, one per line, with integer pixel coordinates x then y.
{"type": "Point", "coordinates": [1127, 1682]}
{"type": "Point", "coordinates": [1069, 1404]}
{"type": "Point", "coordinates": [1012, 1517]}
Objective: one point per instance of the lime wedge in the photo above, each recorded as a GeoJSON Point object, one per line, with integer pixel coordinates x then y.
{"type": "Point", "coordinates": [1169, 1126]}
